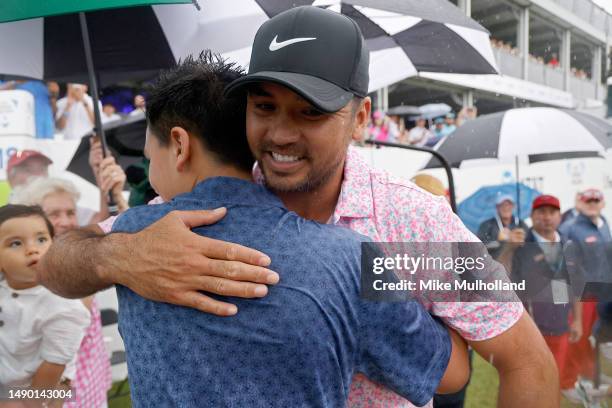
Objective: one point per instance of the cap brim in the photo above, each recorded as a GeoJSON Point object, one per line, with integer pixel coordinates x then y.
{"type": "Point", "coordinates": [323, 95]}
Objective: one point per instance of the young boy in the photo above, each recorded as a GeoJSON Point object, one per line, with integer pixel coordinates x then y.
{"type": "Point", "coordinates": [301, 344]}
{"type": "Point", "coordinates": [40, 332]}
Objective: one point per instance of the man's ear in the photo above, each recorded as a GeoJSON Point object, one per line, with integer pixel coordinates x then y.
{"type": "Point", "coordinates": [362, 117]}
{"type": "Point", "coordinates": [181, 147]}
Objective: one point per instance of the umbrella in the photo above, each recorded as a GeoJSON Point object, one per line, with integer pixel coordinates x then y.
{"type": "Point", "coordinates": [60, 22]}
{"type": "Point", "coordinates": [480, 206]}
{"type": "Point", "coordinates": [433, 110]}
{"type": "Point", "coordinates": [539, 134]}
{"type": "Point", "coordinates": [129, 43]}
{"type": "Point", "coordinates": [404, 110]}
{"type": "Point", "coordinates": [125, 139]}
{"type": "Point", "coordinates": [404, 37]}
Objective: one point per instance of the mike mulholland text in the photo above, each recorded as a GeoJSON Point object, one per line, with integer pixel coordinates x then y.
{"type": "Point", "coordinates": [437, 285]}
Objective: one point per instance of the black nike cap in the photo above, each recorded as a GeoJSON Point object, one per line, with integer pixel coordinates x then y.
{"type": "Point", "coordinates": [317, 53]}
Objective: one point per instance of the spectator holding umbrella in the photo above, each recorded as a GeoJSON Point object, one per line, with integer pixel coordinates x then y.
{"type": "Point", "coordinates": [540, 262]}
{"type": "Point", "coordinates": [503, 228]}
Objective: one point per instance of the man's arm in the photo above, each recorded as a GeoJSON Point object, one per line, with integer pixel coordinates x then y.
{"type": "Point", "coordinates": [165, 262]}
{"type": "Point", "coordinates": [528, 375]}
{"type": "Point", "coordinates": [457, 372]}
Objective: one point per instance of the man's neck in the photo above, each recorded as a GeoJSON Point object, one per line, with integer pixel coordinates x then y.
{"type": "Point", "coordinates": [316, 205]}
{"type": "Point", "coordinates": [547, 234]}
{"type": "Point", "coordinates": [220, 170]}
{"type": "Point", "coordinates": [506, 221]}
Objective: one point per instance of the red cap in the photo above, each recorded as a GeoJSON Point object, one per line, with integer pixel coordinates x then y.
{"type": "Point", "coordinates": [591, 194]}
{"type": "Point", "coordinates": [546, 200]}
{"type": "Point", "coordinates": [23, 155]}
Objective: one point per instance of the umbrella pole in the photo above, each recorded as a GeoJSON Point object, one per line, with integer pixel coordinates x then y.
{"type": "Point", "coordinates": [112, 206]}
{"type": "Point", "coordinates": [518, 189]}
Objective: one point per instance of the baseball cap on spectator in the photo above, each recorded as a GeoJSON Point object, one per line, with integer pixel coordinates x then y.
{"type": "Point", "coordinates": [21, 156]}
{"type": "Point", "coordinates": [450, 115]}
{"type": "Point", "coordinates": [378, 114]}
{"type": "Point", "coordinates": [546, 200]}
{"type": "Point", "coordinates": [317, 53]}
{"type": "Point", "coordinates": [591, 194]}
{"type": "Point", "coordinates": [504, 197]}
{"type": "Point", "coordinates": [439, 121]}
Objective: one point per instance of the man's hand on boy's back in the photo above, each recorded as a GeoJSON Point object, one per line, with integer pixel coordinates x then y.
{"type": "Point", "coordinates": [165, 262]}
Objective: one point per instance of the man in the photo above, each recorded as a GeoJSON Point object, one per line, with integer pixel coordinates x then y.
{"type": "Point", "coordinates": [570, 214]}
{"type": "Point", "coordinates": [503, 228]}
{"type": "Point", "coordinates": [449, 123]}
{"type": "Point", "coordinates": [540, 262]}
{"type": "Point", "coordinates": [589, 233]}
{"type": "Point", "coordinates": [438, 132]}
{"type": "Point", "coordinates": [139, 105]}
{"type": "Point", "coordinates": [419, 135]}
{"type": "Point", "coordinates": [109, 113]}
{"type": "Point", "coordinates": [25, 165]}
{"type": "Point", "coordinates": [75, 112]}
{"type": "Point", "coordinates": [302, 112]}
{"type": "Point", "coordinates": [299, 345]}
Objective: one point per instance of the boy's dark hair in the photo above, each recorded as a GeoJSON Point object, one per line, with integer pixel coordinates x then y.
{"type": "Point", "coordinates": [10, 211]}
{"type": "Point", "coordinates": [190, 95]}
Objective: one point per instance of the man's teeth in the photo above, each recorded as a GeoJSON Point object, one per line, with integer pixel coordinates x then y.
{"type": "Point", "coordinates": [283, 158]}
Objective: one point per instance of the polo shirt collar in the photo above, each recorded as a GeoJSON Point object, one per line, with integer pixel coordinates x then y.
{"type": "Point", "coordinates": [356, 199]}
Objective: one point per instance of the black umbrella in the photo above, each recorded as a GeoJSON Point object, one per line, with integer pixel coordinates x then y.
{"type": "Point", "coordinates": [125, 140]}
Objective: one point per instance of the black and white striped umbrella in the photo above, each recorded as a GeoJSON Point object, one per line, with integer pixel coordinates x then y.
{"type": "Point", "coordinates": [404, 36]}
{"type": "Point", "coordinates": [126, 43]}
{"type": "Point", "coordinates": [538, 134]}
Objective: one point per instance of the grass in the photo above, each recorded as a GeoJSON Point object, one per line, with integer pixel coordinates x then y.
{"type": "Point", "coordinates": [481, 393]}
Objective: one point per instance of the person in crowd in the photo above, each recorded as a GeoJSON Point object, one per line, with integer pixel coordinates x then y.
{"type": "Point", "coordinates": [438, 132]}
{"type": "Point", "coordinates": [590, 232]}
{"type": "Point", "coordinates": [41, 331]}
{"type": "Point", "coordinates": [553, 61]}
{"type": "Point", "coordinates": [466, 113]}
{"type": "Point", "coordinates": [139, 105]}
{"type": "Point", "coordinates": [541, 263]}
{"type": "Point", "coordinates": [503, 228]}
{"type": "Point", "coordinates": [570, 214]}
{"type": "Point", "coordinates": [449, 124]}
{"type": "Point", "coordinates": [54, 93]}
{"type": "Point", "coordinates": [58, 199]}
{"type": "Point", "coordinates": [75, 112]}
{"type": "Point", "coordinates": [109, 113]}
{"type": "Point", "coordinates": [185, 181]}
{"type": "Point", "coordinates": [43, 117]}
{"type": "Point", "coordinates": [419, 135]}
{"type": "Point", "coordinates": [379, 128]}
{"type": "Point", "coordinates": [301, 143]}
{"type": "Point", "coordinates": [24, 165]}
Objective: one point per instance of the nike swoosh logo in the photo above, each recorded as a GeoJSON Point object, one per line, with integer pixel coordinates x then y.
{"type": "Point", "coordinates": [274, 45]}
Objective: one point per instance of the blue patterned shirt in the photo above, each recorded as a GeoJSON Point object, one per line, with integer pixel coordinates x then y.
{"type": "Point", "coordinates": [298, 346]}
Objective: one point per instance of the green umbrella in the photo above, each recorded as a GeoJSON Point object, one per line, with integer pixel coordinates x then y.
{"type": "Point", "coordinates": [15, 10]}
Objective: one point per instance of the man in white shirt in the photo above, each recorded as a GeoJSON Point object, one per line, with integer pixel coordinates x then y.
{"type": "Point", "coordinates": [139, 105]}
{"type": "Point", "coordinates": [419, 134]}
{"type": "Point", "coordinates": [75, 114]}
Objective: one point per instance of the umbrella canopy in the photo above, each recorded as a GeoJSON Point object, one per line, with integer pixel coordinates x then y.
{"type": "Point", "coordinates": [404, 37]}
{"type": "Point", "coordinates": [125, 139]}
{"type": "Point", "coordinates": [433, 110]}
{"type": "Point", "coordinates": [133, 46]}
{"type": "Point", "coordinates": [539, 134]}
{"type": "Point", "coordinates": [480, 206]}
{"type": "Point", "coordinates": [404, 110]}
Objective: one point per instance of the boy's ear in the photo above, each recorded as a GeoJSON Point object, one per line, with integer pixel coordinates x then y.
{"type": "Point", "coordinates": [181, 147]}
